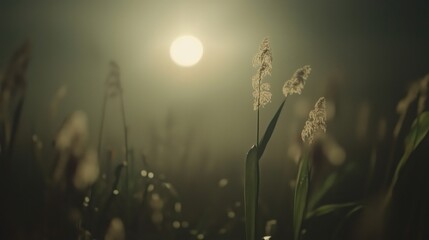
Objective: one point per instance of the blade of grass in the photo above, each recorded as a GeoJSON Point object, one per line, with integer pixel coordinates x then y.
{"type": "Point", "coordinates": [15, 123]}
{"type": "Point", "coordinates": [112, 195]}
{"type": "Point", "coordinates": [419, 129]}
{"type": "Point", "coordinates": [329, 208]}
{"type": "Point", "coordinates": [269, 131]}
{"type": "Point", "coordinates": [301, 194]}
{"type": "Point", "coordinates": [418, 132]}
{"type": "Point", "coordinates": [251, 189]}
{"type": "Point", "coordinates": [320, 192]}
{"type": "Point", "coordinates": [345, 219]}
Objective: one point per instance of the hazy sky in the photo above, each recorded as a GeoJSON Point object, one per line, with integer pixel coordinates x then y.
{"type": "Point", "coordinates": [367, 50]}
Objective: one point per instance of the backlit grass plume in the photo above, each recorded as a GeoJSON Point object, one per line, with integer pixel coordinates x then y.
{"type": "Point", "coordinates": [262, 96]}
{"type": "Point", "coordinates": [263, 62]}
{"type": "Point", "coordinates": [73, 154]}
{"type": "Point", "coordinates": [316, 122]}
{"type": "Point", "coordinates": [314, 126]}
{"type": "Point", "coordinates": [297, 82]}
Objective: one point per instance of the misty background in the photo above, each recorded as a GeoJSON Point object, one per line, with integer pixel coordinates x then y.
{"type": "Point", "coordinates": [196, 124]}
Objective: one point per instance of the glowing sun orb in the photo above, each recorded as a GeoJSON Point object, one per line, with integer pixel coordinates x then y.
{"type": "Point", "coordinates": [186, 51]}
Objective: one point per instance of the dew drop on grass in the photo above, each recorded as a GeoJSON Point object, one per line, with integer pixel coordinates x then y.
{"type": "Point", "coordinates": [223, 182]}
{"type": "Point", "coordinates": [143, 173]}
{"type": "Point", "coordinates": [150, 188]}
{"type": "Point", "coordinates": [176, 224]}
{"type": "Point", "coordinates": [200, 236]}
{"type": "Point", "coordinates": [115, 192]}
{"type": "Point", "coordinates": [150, 175]}
{"type": "Point", "coordinates": [231, 214]}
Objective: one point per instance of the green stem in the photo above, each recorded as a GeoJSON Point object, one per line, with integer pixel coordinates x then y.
{"type": "Point", "coordinates": [100, 130]}
{"type": "Point", "coordinates": [397, 131]}
{"type": "Point", "coordinates": [127, 174]}
{"type": "Point", "coordinates": [402, 160]}
{"type": "Point", "coordinates": [257, 126]}
{"type": "Point", "coordinates": [257, 114]}
{"type": "Point", "coordinates": [125, 136]}
{"type": "Point", "coordinates": [90, 224]}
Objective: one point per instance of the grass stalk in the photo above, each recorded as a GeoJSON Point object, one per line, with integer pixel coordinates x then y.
{"type": "Point", "coordinates": [127, 175]}
{"type": "Point", "coordinates": [15, 123]}
{"type": "Point", "coordinates": [100, 130]}
{"type": "Point", "coordinates": [251, 191]}
{"type": "Point", "coordinates": [91, 204]}
{"type": "Point", "coordinates": [257, 126]}
{"type": "Point", "coordinates": [419, 130]}
{"type": "Point", "coordinates": [125, 129]}
{"type": "Point", "coordinates": [301, 194]}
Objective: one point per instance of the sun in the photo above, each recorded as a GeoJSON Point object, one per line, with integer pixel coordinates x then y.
{"type": "Point", "coordinates": [186, 51]}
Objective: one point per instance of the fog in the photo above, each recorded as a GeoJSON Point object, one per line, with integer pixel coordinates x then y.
{"type": "Point", "coordinates": [196, 124]}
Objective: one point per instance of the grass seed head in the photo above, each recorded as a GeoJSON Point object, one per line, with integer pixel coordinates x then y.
{"type": "Point", "coordinates": [297, 81]}
{"type": "Point", "coordinates": [316, 123]}
{"type": "Point", "coordinates": [113, 81]}
{"type": "Point", "coordinates": [263, 61]}
{"type": "Point", "coordinates": [73, 133]}
{"type": "Point", "coordinates": [87, 170]}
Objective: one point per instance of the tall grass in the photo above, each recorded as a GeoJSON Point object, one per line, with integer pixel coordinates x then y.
{"type": "Point", "coordinates": [12, 94]}
{"type": "Point", "coordinates": [78, 202]}
{"type": "Point", "coordinates": [305, 202]}
{"type": "Point", "coordinates": [262, 96]}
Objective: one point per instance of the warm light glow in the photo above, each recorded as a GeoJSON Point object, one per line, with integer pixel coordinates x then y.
{"type": "Point", "coordinates": [186, 51]}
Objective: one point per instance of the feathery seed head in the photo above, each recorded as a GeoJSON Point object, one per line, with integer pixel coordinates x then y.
{"type": "Point", "coordinates": [316, 123]}
{"type": "Point", "coordinates": [263, 61]}
{"type": "Point", "coordinates": [262, 96]}
{"type": "Point", "coordinates": [113, 81]}
{"type": "Point", "coordinates": [264, 58]}
{"type": "Point", "coordinates": [73, 133]}
{"type": "Point", "coordinates": [87, 170]}
{"type": "Point", "coordinates": [297, 82]}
